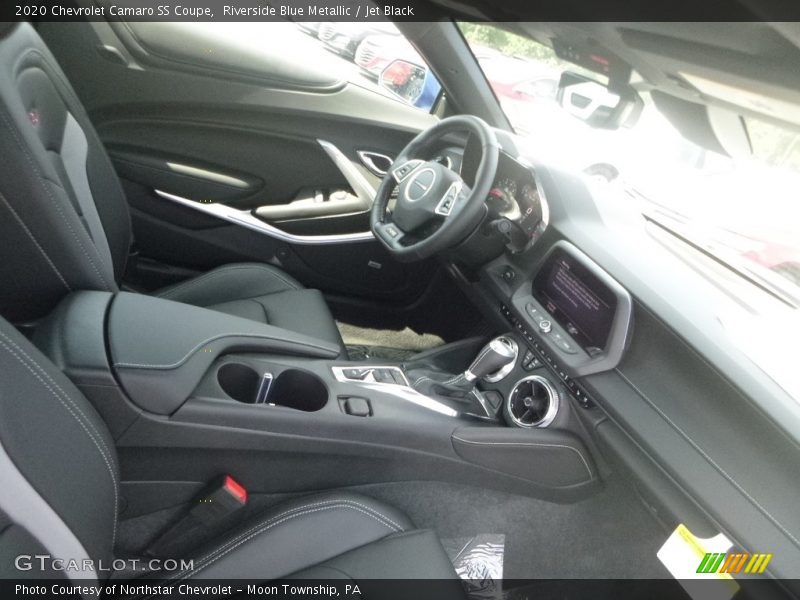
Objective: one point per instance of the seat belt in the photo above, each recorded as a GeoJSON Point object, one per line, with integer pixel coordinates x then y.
{"type": "Point", "coordinates": [210, 509]}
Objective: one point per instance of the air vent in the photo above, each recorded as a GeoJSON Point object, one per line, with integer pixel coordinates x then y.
{"type": "Point", "coordinates": [533, 402]}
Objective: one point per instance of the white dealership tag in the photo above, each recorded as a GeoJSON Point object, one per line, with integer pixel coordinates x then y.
{"type": "Point", "coordinates": [693, 562]}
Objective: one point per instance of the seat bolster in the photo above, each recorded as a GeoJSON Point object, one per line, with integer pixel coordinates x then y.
{"type": "Point", "coordinates": [230, 282]}
{"type": "Point", "coordinates": [261, 293]}
{"type": "Point", "coordinates": [297, 535]}
{"type": "Point", "coordinates": [302, 311]}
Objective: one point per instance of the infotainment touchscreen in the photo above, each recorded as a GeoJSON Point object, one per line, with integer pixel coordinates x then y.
{"type": "Point", "coordinates": [576, 299]}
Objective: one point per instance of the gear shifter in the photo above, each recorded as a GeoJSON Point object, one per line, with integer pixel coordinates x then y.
{"type": "Point", "coordinates": [496, 355]}
{"type": "Point", "coordinates": [493, 362]}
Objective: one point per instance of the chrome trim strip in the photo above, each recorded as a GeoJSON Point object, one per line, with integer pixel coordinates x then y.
{"type": "Point", "coordinates": [478, 395]}
{"type": "Point", "coordinates": [404, 392]}
{"type": "Point", "coordinates": [263, 388]}
{"type": "Point", "coordinates": [245, 219]}
{"type": "Point", "coordinates": [210, 176]}
{"type": "Point", "coordinates": [413, 396]}
{"type": "Point", "coordinates": [367, 158]}
{"type": "Point", "coordinates": [362, 188]}
{"type": "Point", "coordinates": [338, 373]}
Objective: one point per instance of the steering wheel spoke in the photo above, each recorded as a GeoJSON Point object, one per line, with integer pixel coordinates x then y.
{"type": "Point", "coordinates": [404, 170]}
{"type": "Point", "coordinates": [390, 234]}
{"type": "Point", "coordinates": [452, 198]}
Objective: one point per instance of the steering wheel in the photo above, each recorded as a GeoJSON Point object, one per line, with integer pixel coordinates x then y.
{"type": "Point", "coordinates": [434, 209]}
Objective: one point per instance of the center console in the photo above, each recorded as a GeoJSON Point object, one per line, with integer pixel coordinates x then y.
{"type": "Point", "coordinates": [286, 413]}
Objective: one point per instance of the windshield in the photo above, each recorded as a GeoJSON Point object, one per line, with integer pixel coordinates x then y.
{"type": "Point", "coordinates": [743, 212]}
{"type": "Point", "coordinates": [697, 185]}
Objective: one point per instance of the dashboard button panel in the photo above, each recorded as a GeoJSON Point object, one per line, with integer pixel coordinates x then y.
{"type": "Point", "coordinates": [537, 355]}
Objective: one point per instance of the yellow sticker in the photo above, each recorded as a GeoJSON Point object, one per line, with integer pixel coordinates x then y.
{"type": "Point", "coordinates": [689, 559]}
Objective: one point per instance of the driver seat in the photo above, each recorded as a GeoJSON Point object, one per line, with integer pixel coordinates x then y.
{"type": "Point", "coordinates": [64, 220]}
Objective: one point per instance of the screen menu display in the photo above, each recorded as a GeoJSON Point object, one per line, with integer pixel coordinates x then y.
{"type": "Point", "coordinates": [576, 299]}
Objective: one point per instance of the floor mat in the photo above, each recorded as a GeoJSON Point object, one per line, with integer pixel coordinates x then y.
{"type": "Point", "coordinates": [609, 535]}
{"type": "Point", "coordinates": [366, 344]}
{"type": "Point", "coordinates": [364, 353]}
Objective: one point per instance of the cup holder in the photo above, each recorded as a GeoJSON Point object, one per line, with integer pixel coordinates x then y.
{"type": "Point", "coordinates": [298, 389]}
{"type": "Point", "coordinates": [239, 381]}
{"type": "Point", "coordinates": [292, 388]}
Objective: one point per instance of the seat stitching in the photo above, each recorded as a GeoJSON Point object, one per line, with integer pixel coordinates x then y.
{"type": "Point", "coordinates": [85, 429]}
{"type": "Point", "coordinates": [55, 202]}
{"type": "Point", "coordinates": [35, 242]}
{"type": "Point", "coordinates": [290, 511]}
{"type": "Point", "coordinates": [275, 524]}
{"type": "Point", "coordinates": [65, 395]}
{"type": "Point", "coordinates": [283, 517]}
{"type": "Point", "coordinates": [575, 450]}
{"type": "Point", "coordinates": [224, 271]}
{"type": "Point", "coordinates": [213, 339]}
{"type": "Point", "coordinates": [305, 506]}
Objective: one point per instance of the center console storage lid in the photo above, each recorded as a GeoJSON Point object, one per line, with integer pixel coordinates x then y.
{"type": "Point", "coordinates": [160, 349]}
{"type": "Point", "coordinates": [73, 337]}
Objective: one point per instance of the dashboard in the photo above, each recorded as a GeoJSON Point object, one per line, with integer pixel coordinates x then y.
{"type": "Point", "coordinates": [614, 316]}
{"type": "Point", "coordinates": [570, 305]}
{"type": "Point", "coordinates": [572, 313]}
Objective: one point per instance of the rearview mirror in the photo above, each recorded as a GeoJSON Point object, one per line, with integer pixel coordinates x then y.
{"type": "Point", "coordinates": [411, 83]}
{"type": "Point", "coordinates": [597, 104]}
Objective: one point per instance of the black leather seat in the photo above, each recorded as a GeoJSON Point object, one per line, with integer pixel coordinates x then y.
{"type": "Point", "coordinates": [64, 222]}
{"type": "Point", "coordinates": [60, 496]}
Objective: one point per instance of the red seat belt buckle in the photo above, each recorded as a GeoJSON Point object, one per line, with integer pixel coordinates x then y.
{"type": "Point", "coordinates": [223, 497]}
{"type": "Point", "coordinates": [235, 488]}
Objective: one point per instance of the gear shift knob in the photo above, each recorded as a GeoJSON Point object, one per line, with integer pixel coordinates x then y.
{"type": "Point", "coordinates": [493, 357]}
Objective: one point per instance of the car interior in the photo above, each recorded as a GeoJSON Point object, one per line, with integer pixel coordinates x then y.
{"type": "Point", "coordinates": [220, 268]}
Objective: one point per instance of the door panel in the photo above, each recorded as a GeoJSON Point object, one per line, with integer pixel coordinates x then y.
{"type": "Point", "coordinates": [221, 167]}
{"type": "Point", "coordinates": [175, 173]}
{"type": "Point", "coordinates": [284, 164]}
